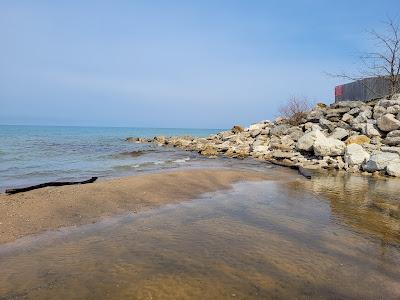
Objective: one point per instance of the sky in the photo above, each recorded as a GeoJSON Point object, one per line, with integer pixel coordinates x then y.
{"type": "Point", "coordinates": [187, 64]}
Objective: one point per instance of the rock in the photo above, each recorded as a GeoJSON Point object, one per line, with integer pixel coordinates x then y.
{"type": "Point", "coordinates": [209, 151]}
{"type": "Point", "coordinates": [255, 132]}
{"type": "Point", "coordinates": [257, 126]}
{"type": "Point", "coordinates": [306, 142]}
{"type": "Point", "coordinates": [339, 133]}
{"type": "Point", "coordinates": [279, 130]}
{"type": "Point", "coordinates": [391, 149]}
{"type": "Point", "coordinates": [388, 122]}
{"type": "Point", "coordinates": [320, 105]}
{"type": "Point", "coordinates": [392, 141]}
{"type": "Point", "coordinates": [328, 147]}
{"type": "Point", "coordinates": [347, 118]}
{"type": "Point", "coordinates": [379, 111]}
{"type": "Point", "coordinates": [350, 104]}
{"type": "Point", "coordinates": [295, 133]}
{"type": "Point", "coordinates": [358, 139]}
{"type": "Point", "coordinates": [282, 154]}
{"type": "Point", "coordinates": [135, 140]}
{"type": "Point", "coordinates": [355, 155]}
{"type": "Point", "coordinates": [237, 129]}
{"type": "Point", "coordinates": [260, 149]}
{"type": "Point", "coordinates": [393, 169]}
{"type": "Point", "coordinates": [327, 124]}
{"type": "Point", "coordinates": [387, 103]}
{"type": "Point", "coordinates": [354, 111]}
{"type": "Point", "coordinates": [370, 130]}
{"type": "Point", "coordinates": [393, 109]}
{"type": "Point", "coordinates": [380, 161]}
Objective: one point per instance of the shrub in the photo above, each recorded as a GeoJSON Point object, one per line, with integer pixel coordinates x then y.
{"type": "Point", "coordinates": [295, 110]}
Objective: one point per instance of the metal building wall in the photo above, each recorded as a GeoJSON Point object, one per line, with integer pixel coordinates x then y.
{"type": "Point", "coordinates": [363, 90]}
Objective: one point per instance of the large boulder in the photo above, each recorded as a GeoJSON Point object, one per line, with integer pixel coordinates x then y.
{"type": "Point", "coordinates": [355, 155]}
{"type": "Point", "coordinates": [328, 147]}
{"type": "Point", "coordinates": [380, 161]}
{"type": "Point", "coordinates": [388, 122]}
{"type": "Point", "coordinates": [306, 142]}
{"type": "Point", "coordinates": [393, 169]}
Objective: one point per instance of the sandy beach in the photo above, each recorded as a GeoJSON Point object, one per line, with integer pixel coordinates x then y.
{"type": "Point", "coordinates": [50, 208]}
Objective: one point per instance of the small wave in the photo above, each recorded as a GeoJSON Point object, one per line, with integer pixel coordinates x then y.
{"type": "Point", "coordinates": [136, 153]}
{"type": "Point", "coordinates": [181, 160]}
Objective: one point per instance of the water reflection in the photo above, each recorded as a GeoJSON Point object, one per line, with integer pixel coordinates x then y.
{"type": "Point", "coordinates": [268, 240]}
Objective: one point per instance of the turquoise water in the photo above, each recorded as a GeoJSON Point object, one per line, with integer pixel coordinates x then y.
{"type": "Point", "coordinates": [36, 154]}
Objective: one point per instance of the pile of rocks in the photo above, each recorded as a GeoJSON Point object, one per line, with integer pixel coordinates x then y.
{"type": "Point", "coordinates": [353, 136]}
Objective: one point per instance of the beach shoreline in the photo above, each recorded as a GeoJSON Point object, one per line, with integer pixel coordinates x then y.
{"type": "Point", "coordinates": [55, 207]}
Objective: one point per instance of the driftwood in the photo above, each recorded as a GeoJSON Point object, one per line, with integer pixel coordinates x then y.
{"type": "Point", "coordinates": [306, 173]}
{"type": "Point", "coordinates": [52, 183]}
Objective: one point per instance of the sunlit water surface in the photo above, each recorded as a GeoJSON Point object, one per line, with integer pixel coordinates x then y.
{"type": "Point", "coordinates": [293, 239]}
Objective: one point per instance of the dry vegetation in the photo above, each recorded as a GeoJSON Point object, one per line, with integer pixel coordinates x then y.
{"type": "Point", "coordinates": [295, 110]}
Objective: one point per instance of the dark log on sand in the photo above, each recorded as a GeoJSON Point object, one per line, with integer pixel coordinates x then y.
{"type": "Point", "coordinates": [52, 183]}
{"type": "Point", "coordinates": [306, 173]}
{"type": "Point", "coordinates": [285, 163]}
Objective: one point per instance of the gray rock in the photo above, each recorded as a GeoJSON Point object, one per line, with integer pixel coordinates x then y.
{"type": "Point", "coordinates": [394, 133]}
{"type": "Point", "coordinates": [391, 149]}
{"type": "Point", "coordinates": [350, 104]}
{"type": "Point", "coordinates": [282, 154]}
{"type": "Point", "coordinates": [279, 130]}
{"type": "Point", "coordinates": [306, 142]}
{"type": "Point", "coordinates": [255, 132]}
{"type": "Point", "coordinates": [370, 130]}
{"type": "Point", "coordinates": [327, 124]}
{"type": "Point", "coordinates": [387, 103]}
{"type": "Point", "coordinates": [328, 147]}
{"type": "Point", "coordinates": [392, 141]}
{"type": "Point", "coordinates": [355, 155]}
{"type": "Point", "coordinates": [393, 169]}
{"type": "Point", "coordinates": [380, 161]}
{"type": "Point", "coordinates": [339, 133]}
{"type": "Point", "coordinates": [295, 133]}
{"type": "Point", "coordinates": [388, 122]}
{"type": "Point", "coordinates": [347, 118]}
{"type": "Point", "coordinates": [354, 111]}
{"type": "Point", "coordinates": [379, 111]}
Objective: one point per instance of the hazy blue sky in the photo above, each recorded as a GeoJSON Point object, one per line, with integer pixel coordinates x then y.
{"type": "Point", "coordinates": [174, 63]}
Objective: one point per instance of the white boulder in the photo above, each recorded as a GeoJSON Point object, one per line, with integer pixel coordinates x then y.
{"type": "Point", "coordinates": [380, 161]}
{"type": "Point", "coordinates": [328, 147]}
{"type": "Point", "coordinates": [355, 155]}
{"type": "Point", "coordinates": [393, 169]}
{"type": "Point", "coordinates": [306, 142]}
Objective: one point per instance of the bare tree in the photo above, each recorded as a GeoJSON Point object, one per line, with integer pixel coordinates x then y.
{"type": "Point", "coordinates": [295, 110]}
{"type": "Point", "coordinates": [384, 62]}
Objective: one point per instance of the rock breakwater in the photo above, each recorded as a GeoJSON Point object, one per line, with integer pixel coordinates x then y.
{"type": "Point", "coordinates": [352, 136]}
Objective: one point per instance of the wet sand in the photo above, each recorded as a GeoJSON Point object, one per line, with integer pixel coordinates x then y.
{"type": "Point", "coordinates": [54, 207]}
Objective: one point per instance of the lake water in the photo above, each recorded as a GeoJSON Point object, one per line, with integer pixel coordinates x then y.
{"type": "Point", "coordinates": [35, 154]}
{"type": "Point", "coordinates": [289, 238]}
